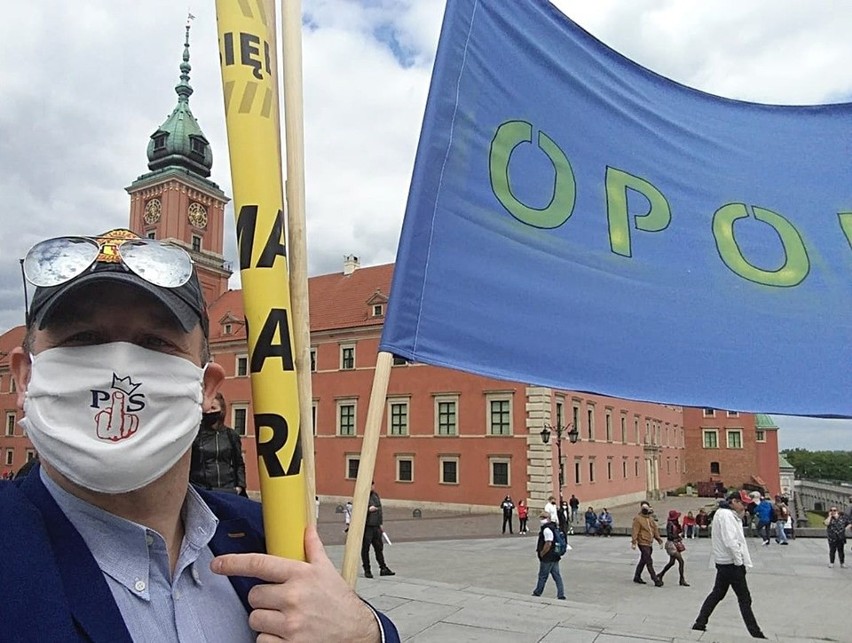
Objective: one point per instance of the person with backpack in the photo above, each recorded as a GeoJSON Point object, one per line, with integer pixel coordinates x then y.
{"type": "Point", "coordinates": [550, 548]}
{"type": "Point", "coordinates": [217, 456]}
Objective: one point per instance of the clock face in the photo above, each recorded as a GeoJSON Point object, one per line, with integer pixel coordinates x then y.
{"type": "Point", "coordinates": [152, 211]}
{"type": "Point", "coordinates": [197, 215]}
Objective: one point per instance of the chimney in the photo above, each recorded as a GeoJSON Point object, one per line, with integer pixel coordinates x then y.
{"type": "Point", "coordinates": [350, 264]}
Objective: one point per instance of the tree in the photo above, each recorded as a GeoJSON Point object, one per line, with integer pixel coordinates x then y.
{"type": "Point", "coordinates": [823, 465]}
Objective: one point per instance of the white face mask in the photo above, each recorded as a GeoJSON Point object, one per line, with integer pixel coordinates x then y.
{"type": "Point", "coordinates": [544, 521]}
{"type": "Point", "coordinates": [112, 417]}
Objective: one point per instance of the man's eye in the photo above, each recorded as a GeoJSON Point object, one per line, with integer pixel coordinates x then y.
{"type": "Point", "coordinates": [83, 338]}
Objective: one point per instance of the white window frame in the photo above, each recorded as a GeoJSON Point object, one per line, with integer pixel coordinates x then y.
{"type": "Point", "coordinates": [729, 433]}
{"type": "Point", "coordinates": [240, 406]}
{"type": "Point", "coordinates": [313, 359]}
{"type": "Point", "coordinates": [406, 429]}
{"type": "Point", "coordinates": [30, 455]}
{"type": "Point", "coordinates": [11, 421]}
{"type": "Point", "coordinates": [343, 349]}
{"type": "Point", "coordinates": [732, 414]}
{"type": "Point", "coordinates": [590, 419]}
{"type": "Point", "coordinates": [559, 411]}
{"type": "Point", "coordinates": [608, 424]}
{"type": "Point", "coordinates": [500, 460]}
{"type": "Point", "coordinates": [10, 457]}
{"type": "Point", "coordinates": [624, 429]}
{"type": "Point", "coordinates": [314, 416]}
{"type": "Point", "coordinates": [338, 425]}
{"type": "Point", "coordinates": [409, 457]}
{"type": "Point", "coordinates": [378, 310]}
{"type": "Point", "coordinates": [498, 397]}
{"type": "Point", "coordinates": [243, 357]}
{"type": "Point", "coordinates": [704, 433]}
{"type": "Point", "coordinates": [448, 458]}
{"type": "Point", "coordinates": [624, 467]}
{"type": "Point", "coordinates": [445, 399]}
{"type": "Point", "coordinates": [578, 471]}
{"type": "Point", "coordinates": [609, 468]}
{"type": "Point", "coordinates": [760, 435]}
{"type": "Point", "coordinates": [591, 470]}
{"type": "Point", "coordinates": [708, 413]}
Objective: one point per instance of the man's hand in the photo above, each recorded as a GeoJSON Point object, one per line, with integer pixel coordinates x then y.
{"type": "Point", "coordinates": [632, 545]}
{"type": "Point", "coordinates": [371, 509]}
{"type": "Point", "coordinates": [302, 601]}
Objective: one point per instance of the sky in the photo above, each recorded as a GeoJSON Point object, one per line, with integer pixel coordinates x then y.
{"type": "Point", "coordinates": [84, 84]}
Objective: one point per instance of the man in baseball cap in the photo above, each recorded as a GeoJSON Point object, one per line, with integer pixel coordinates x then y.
{"type": "Point", "coordinates": [731, 556]}
{"type": "Point", "coordinates": [112, 377]}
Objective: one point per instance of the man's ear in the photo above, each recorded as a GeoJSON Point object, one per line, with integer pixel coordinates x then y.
{"type": "Point", "coordinates": [214, 375]}
{"type": "Point", "coordinates": [21, 367]}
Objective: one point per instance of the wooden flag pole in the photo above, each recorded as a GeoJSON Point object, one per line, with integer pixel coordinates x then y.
{"type": "Point", "coordinates": [291, 37]}
{"type": "Point", "coordinates": [366, 467]}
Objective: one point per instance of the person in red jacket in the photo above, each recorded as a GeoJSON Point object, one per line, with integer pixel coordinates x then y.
{"type": "Point", "coordinates": [523, 514]}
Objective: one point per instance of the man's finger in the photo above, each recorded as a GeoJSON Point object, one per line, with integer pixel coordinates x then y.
{"type": "Point", "coordinates": [271, 569]}
{"type": "Point", "coordinates": [314, 550]}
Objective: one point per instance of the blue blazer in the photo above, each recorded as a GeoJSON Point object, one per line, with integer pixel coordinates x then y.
{"type": "Point", "coordinates": [51, 588]}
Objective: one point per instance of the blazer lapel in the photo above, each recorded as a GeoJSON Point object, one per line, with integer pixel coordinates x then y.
{"type": "Point", "coordinates": [88, 594]}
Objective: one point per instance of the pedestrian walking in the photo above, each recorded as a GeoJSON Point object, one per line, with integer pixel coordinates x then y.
{"type": "Point", "coordinates": [523, 513]}
{"type": "Point", "coordinates": [674, 547]}
{"type": "Point", "coordinates": [347, 516]}
{"type": "Point", "coordinates": [373, 536]}
{"type": "Point", "coordinates": [765, 517]}
{"type": "Point", "coordinates": [574, 503]}
{"type": "Point", "coordinates": [731, 556]}
{"type": "Point", "coordinates": [508, 507]}
{"type": "Point", "coordinates": [548, 557]}
{"type": "Point", "coordinates": [563, 513]}
{"type": "Point", "coordinates": [552, 509]}
{"type": "Point", "coordinates": [781, 516]}
{"type": "Point", "coordinates": [835, 530]}
{"type": "Point", "coordinates": [644, 533]}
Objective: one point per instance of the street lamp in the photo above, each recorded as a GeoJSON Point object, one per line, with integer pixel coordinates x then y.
{"type": "Point", "coordinates": [560, 431]}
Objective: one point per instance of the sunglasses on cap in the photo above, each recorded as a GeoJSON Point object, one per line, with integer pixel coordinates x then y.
{"type": "Point", "coordinates": [59, 260]}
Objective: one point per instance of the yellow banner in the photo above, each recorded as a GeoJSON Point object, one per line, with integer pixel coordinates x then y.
{"type": "Point", "coordinates": [246, 52]}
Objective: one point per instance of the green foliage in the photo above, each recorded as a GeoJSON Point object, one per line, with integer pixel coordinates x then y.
{"type": "Point", "coordinates": [821, 465]}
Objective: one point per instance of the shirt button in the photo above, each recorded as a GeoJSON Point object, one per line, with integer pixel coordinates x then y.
{"type": "Point", "coordinates": [149, 539]}
{"type": "Point", "coordinates": [177, 595]}
{"type": "Point", "coordinates": [140, 586]}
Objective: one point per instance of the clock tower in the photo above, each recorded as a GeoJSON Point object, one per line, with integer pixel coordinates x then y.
{"type": "Point", "coordinates": [176, 201]}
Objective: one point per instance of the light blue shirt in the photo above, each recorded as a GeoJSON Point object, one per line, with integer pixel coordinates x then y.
{"type": "Point", "coordinates": [193, 605]}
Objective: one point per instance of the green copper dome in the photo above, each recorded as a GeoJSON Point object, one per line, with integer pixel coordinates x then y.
{"type": "Point", "coordinates": [763, 421]}
{"type": "Point", "coordinates": [179, 142]}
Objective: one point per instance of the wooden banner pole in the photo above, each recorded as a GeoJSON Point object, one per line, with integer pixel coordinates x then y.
{"type": "Point", "coordinates": [366, 467]}
{"type": "Point", "coordinates": [291, 37]}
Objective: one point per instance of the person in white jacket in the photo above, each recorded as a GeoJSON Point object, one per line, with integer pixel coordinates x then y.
{"type": "Point", "coordinates": [731, 557]}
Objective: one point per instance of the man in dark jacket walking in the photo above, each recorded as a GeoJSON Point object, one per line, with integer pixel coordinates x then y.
{"type": "Point", "coordinates": [373, 536]}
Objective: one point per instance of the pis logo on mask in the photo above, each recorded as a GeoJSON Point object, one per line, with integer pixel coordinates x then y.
{"type": "Point", "coordinates": [116, 418]}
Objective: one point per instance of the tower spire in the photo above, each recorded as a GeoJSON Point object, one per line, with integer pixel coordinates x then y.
{"type": "Point", "coordinates": [183, 88]}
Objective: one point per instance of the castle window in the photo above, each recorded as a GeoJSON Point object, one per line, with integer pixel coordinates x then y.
{"type": "Point", "coordinates": [197, 146]}
{"type": "Point", "coordinates": [151, 234]}
{"type": "Point", "coordinates": [378, 310]}
{"type": "Point", "coordinates": [160, 141]}
{"type": "Point", "coordinates": [196, 243]}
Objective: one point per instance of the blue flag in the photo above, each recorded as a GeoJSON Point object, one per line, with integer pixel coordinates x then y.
{"type": "Point", "coordinates": [577, 221]}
